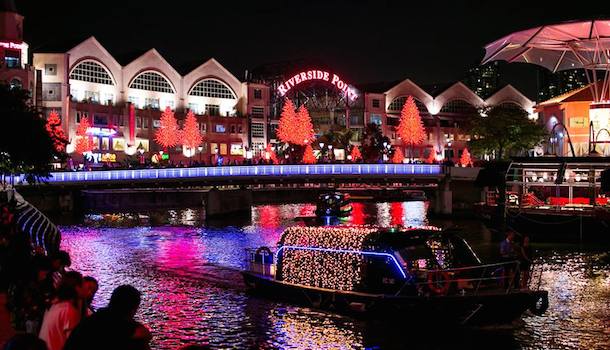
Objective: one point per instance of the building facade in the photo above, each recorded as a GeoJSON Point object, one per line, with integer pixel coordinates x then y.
{"type": "Point", "coordinates": [87, 80]}
{"type": "Point", "coordinates": [575, 117]}
{"type": "Point", "coordinates": [124, 96]}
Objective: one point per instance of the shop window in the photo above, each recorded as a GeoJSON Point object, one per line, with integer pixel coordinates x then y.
{"type": "Point", "coordinates": [258, 130]}
{"type": "Point", "coordinates": [223, 149]}
{"type": "Point", "coordinates": [212, 110]}
{"type": "Point", "coordinates": [258, 112]}
{"type": "Point", "coordinates": [375, 103]}
{"type": "Point", "coordinates": [258, 94]}
{"type": "Point", "coordinates": [219, 128]}
{"type": "Point", "coordinates": [100, 119]}
{"type": "Point", "coordinates": [376, 119]}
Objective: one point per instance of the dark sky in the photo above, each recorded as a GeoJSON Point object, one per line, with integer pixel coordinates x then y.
{"type": "Point", "coordinates": [366, 41]}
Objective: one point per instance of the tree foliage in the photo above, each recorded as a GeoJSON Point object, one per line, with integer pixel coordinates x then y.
{"type": "Point", "coordinates": [356, 155]}
{"type": "Point", "coordinates": [504, 132]}
{"type": "Point", "coordinates": [373, 143]}
{"type": "Point", "coordinates": [411, 128]}
{"type": "Point", "coordinates": [288, 119]}
{"type": "Point", "coordinates": [25, 145]}
{"type": "Point", "coordinates": [56, 132]}
{"type": "Point", "coordinates": [398, 156]}
{"type": "Point", "coordinates": [308, 157]}
{"type": "Point", "coordinates": [191, 136]}
{"type": "Point", "coordinates": [168, 133]}
{"type": "Point", "coordinates": [84, 141]}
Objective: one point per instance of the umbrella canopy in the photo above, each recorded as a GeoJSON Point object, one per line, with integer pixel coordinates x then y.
{"type": "Point", "coordinates": [557, 47]}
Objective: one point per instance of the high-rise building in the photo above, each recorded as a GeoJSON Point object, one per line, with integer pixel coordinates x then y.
{"type": "Point", "coordinates": [555, 84]}
{"type": "Point", "coordinates": [483, 80]}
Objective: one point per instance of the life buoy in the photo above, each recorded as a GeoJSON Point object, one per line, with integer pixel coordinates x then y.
{"type": "Point", "coordinates": [438, 282]}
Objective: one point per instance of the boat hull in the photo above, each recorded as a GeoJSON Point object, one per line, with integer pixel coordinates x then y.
{"type": "Point", "coordinates": [483, 310]}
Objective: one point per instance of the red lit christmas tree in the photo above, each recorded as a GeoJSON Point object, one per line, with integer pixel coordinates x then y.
{"type": "Point", "coordinates": [303, 130]}
{"type": "Point", "coordinates": [84, 141]}
{"type": "Point", "coordinates": [465, 159]}
{"type": "Point", "coordinates": [270, 154]}
{"type": "Point", "coordinates": [308, 157]}
{"type": "Point", "coordinates": [411, 128]}
{"type": "Point", "coordinates": [288, 120]}
{"type": "Point", "coordinates": [191, 137]}
{"type": "Point", "coordinates": [168, 134]}
{"type": "Point", "coordinates": [56, 132]}
{"type": "Point", "coordinates": [356, 155]}
{"type": "Point", "coordinates": [398, 156]}
{"type": "Point", "coordinates": [431, 157]}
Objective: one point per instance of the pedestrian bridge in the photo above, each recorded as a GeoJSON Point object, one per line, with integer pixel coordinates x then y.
{"type": "Point", "coordinates": [251, 174]}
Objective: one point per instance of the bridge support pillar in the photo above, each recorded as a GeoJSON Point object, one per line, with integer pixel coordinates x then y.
{"type": "Point", "coordinates": [226, 202]}
{"type": "Point", "coordinates": [444, 198]}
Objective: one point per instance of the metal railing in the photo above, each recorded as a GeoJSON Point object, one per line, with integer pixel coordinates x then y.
{"type": "Point", "coordinates": [247, 171]}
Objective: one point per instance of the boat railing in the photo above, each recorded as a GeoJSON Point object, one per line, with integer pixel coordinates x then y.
{"type": "Point", "coordinates": [261, 261]}
{"type": "Point", "coordinates": [472, 280]}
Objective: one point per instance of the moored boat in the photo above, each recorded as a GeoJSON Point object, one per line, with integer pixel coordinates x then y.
{"type": "Point", "coordinates": [417, 274]}
{"type": "Point", "coordinates": [333, 204]}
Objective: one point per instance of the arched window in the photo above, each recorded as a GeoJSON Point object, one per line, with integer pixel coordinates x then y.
{"type": "Point", "coordinates": [399, 102]}
{"type": "Point", "coordinates": [458, 107]}
{"type": "Point", "coordinates": [92, 72]}
{"type": "Point", "coordinates": [151, 81]}
{"type": "Point", "coordinates": [212, 88]}
{"type": "Point", "coordinates": [16, 84]}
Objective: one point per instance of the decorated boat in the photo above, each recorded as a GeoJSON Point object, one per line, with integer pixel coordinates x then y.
{"type": "Point", "coordinates": [408, 273]}
{"type": "Point", "coordinates": [335, 204]}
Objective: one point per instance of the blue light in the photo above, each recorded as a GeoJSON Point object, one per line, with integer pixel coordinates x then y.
{"type": "Point", "coordinates": [254, 171]}
{"type": "Point", "coordinates": [362, 252]}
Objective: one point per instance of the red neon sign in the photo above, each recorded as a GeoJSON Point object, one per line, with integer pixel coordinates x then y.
{"type": "Point", "coordinates": [11, 45]}
{"type": "Point", "coordinates": [301, 77]}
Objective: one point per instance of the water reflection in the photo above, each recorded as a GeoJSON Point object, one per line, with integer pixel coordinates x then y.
{"type": "Point", "coordinates": [193, 292]}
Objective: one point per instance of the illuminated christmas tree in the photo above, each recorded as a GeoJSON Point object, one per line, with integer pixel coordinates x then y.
{"type": "Point", "coordinates": [84, 141]}
{"type": "Point", "coordinates": [356, 155]}
{"type": "Point", "coordinates": [168, 134]}
{"type": "Point", "coordinates": [191, 137]}
{"type": "Point", "coordinates": [288, 120]}
{"type": "Point", "coordinates": [303, 130]}
{"type": "Point", "coordinates": [411, 128]}
{"type": "Point", "coordinates": [270, 154]}
{"type": "Point", "coordinates": [465, 159]}
{"type": "Point", "coordinates": [398, 156]}
{"type": "Point", "coordinates": [56, 132]}
{"type": "Point", "coordinates": [431, 157]}
{"type": "Point", "coordinates": [308, 157]}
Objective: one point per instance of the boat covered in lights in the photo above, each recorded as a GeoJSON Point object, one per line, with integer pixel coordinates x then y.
{"type": "Point", "coordinates": [425, 273]}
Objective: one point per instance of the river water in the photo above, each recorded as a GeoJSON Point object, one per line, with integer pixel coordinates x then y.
{"type": "Point", "coordinates": [188, 271]}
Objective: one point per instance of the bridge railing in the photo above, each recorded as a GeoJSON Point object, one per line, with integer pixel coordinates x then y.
{"type": "Point", "coordinates": [247, 171]}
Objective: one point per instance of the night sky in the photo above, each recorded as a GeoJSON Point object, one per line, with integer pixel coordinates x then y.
{"type": "Point", "coordinates": [365, 41]}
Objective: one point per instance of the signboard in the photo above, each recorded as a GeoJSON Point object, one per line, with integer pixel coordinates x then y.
{"type": "Point", "coordinates": [600, 117]}
{"type": "Point", "coordinates": [578, 122]}
{"type": "Point", "coordinates": [309, 75]}
{"type": "Point", "coordinates": [11, 45]}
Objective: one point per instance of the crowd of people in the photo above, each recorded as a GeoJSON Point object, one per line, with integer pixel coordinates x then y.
{"type": "Point", "coordinates": [511, 249]}
{"type": "Point", "coordinates": [51, 308]}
